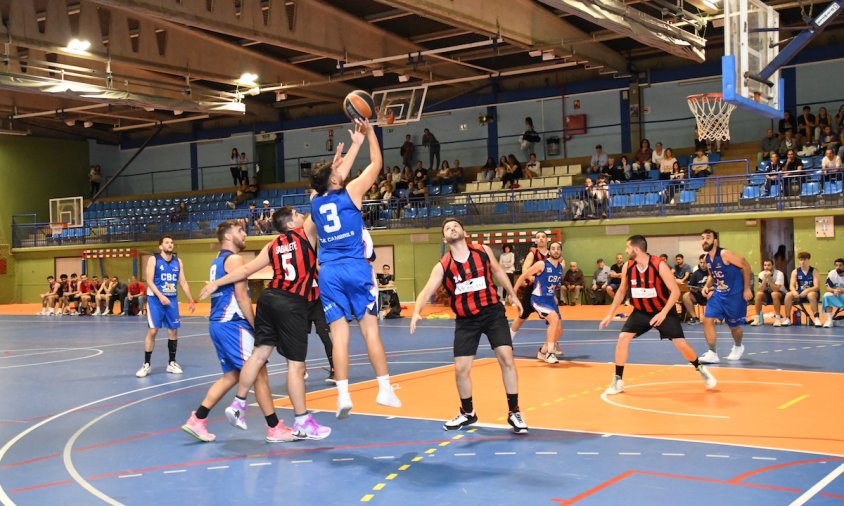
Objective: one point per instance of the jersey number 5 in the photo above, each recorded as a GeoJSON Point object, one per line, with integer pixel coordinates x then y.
{"type": "Point", "coordinates": [289, 270]}
{"type": "Point", "coordinates": [329, 211]}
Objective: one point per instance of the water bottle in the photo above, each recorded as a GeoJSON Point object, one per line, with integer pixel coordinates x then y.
{"type": "Point", "coordinates": [797, 318]}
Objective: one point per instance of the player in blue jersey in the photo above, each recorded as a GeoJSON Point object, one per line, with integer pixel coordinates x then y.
{"type": "Point", "coordinates": [231, 329]}
{"type": "Point", "coordinates": [804, 286]}
{"type": "Point", "coordinates": [163, 272]}
{"type": "Point", "coordinates": [547, 275]}
{"type": "Point", "coordinates": [345, 277]}
{"type": "Point", "coordinates": [729, 284]}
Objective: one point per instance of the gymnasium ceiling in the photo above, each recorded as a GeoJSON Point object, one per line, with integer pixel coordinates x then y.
{"type": "Point", "coordinates": [179, 62]}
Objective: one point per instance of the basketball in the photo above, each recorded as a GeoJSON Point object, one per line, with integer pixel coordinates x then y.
{"type": "Point", "coordinates": [358, 105]}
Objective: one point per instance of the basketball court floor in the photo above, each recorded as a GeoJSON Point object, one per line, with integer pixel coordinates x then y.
{"type": "Point", "coordinates": [79, 428]}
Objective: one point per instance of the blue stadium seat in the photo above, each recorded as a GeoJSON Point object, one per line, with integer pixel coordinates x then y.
{"type": "Point", "coordinates": [807, 161]}
{"type": "Point", "coordinates": [810, 190]}
{"type": "Point", "coordinates": [447, 189]}
{"type": "Point", "coordinates": [696, 183]}
{"type": "Point", "coordinates": [653, 174]}
{"type": "Point", "coordinates": [461, 209]}
{"type": "Point", "coordinates": [652, 199]}
{"type": "Point", "coordinates": [831, 188]}
{"type": "Point", "coordinates": [434, 190]}
{"type": "Point", "coordinates": [636, 200]}
{"type": "Point", "coordinates": [435, 212]}
{"type": "Point", "coordinates": [756, 179]}
{"type": "Point", "coordinates": [501, 208]}
{"type": "Point", "coordinates": [422, 212]}
{"type": "Point", "coordinates": [714, 157]}
{"type": "Point", "coordinates": [687, 197]}
{"type": "Point", "coordinates": [683, 161]}
{"type": "Point", "coordinates": [402, 194]}
{"type": "Point", "coordinates": [750, 193]}
{"type": "Point", "coordinates": [618, 201]}
{"type": "Point", "coordinates": [448, 210]}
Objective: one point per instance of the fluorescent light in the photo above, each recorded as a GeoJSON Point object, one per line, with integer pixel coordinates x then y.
{"type": "Point", "coordinates": [88, 124]}
{"type": "Point", "coordinates": [177, 112]}
{"type": "Point", "coordinates": [535, 53]}
{"type": "Point", "coordinates": [70, 122]}
{"type": "Point", "coordinates": [548, 55]}
{"type": "Point", "coordinates": [403, 78]}
{"type": "Point", "coordinates": [78, 46]}
{"type": "Point", "coordinates": [712, 4]}
{"type": "Point", "coordinates": [247, 79]}
{"type": "Point", "coordinates": [280, 95]}
{"type": "Point", "coordinates": [3, 131]}
{"type": "Point", "coordinates": [378, 73]}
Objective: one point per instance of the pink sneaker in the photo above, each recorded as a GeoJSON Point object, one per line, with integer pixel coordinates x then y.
{"type": "Point", "coordinates": [280, 434]}
{"type": "Point", "coordinates": [198, 428]}
{"type": "Point", "coordinates": [310, 429]}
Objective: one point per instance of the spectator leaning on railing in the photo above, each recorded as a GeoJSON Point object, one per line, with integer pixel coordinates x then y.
{"type": "Point", "coordinates": [769, 144]}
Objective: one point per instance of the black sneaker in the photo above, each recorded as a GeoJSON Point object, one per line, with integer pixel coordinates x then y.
{"type": "Point", "coordinates": [460, 421]}
{"type": "Point", "coordinates": [330, 378]}
{"type": "Point", "coordinates": [514, 418]}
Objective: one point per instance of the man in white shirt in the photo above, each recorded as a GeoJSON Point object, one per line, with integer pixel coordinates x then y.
{"type": "Point", "coordinates": [532, 167]}
{"type": "Point", "coordinates": [658, 155]}
{"type": "Point", "coordinates": [831, 160]}
{"type": "Point", "coordinates": [771, 290]}
{"type": "Point", "coordinates": [833, 299]}
{"type": "Point", "coordinates": [598, 163]}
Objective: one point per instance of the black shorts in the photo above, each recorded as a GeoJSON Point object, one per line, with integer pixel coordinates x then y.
{"type": "Point", "coordinates": [490, 321]}
{"type": "Point", "coordinates": [281, 320]}
{"type": "Point", "coordinates": [527, 307]}
{"type": "Point", "coordinates": [640, 322]}
{"type": "Point", "coordinates": [316, 317]}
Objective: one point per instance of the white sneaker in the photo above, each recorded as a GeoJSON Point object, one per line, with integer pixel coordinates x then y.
{"type": "Point", "coordinates": [388, 397]}
{"type": "Point", "coordinates": [785, 323]}
{"type": "Point", "coordinates": [816, 321]}
{"type": "Point", "coordinates": [551, 358]}
{"type": "Point", "coordinates": [828, 323]}
{"type": "Point", "coordinates": [143, 371]}
{"type": "Point", "coordinates": [344, 406]}
{"type": "Point", "coordinates": [51, 312]}
{"type": "Point", "coordinates": [106, 312]}
{"type": "Point", "coordinates": [174, 368]}
{"type": "Point", "coordinates": [616, 387]}
{"type": "Point", "coordinates": [708, 379]}
{"type": "Point", "coordinates": [710, 357]}
{"type": "Point", "coordinates": [777, 321]}
{"type": "Point", "coordinates": [97, 312]}
{"type": "Point", "coordinates": [736, 352]}
{"type": "Point", "coordinates": [757, 321]}
{"type": "Point", "coordinates": [41, 313]}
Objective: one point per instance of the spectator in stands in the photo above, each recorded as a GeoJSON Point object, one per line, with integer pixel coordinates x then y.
{"type": "Point", "coordinates": [772, 170]}
{"type": "Point", "coordinates": [420, 193]}
{"type": "Point", "coordinates": [664, 258]}
{"type": "Point", "coordinates": [838, 121]}
{"type": "Point", "coordinates": [667, 164]}
{"type": "Point", "coordinates": [615, 275]}
{"type": "Point", "coordinates": [420, 173]}
{"type": "Point", "coordinates": [241, 196]}
{"type": "Point", "coordinates": [501, 169]}
{"type": "Point", "coordinates": [841, 144]}
{"type": "Point", "coordinates": [700, 143]}
{"type": "Point", "coordinates": [822, 120]}
{"type": "Point", "coordinates": [243, 164]}
{"type": "Point", "coordinates": [179, 214]}
{"type": "Point", "coordinates": [373, 194]}
{"type": "Point", "coordinates": [622, 171]}
{"type": "Point", "coordinates": [696, 282]}
{"type": "Point", "coordinates": [830, 160]}
{"type": "Point", "coordinates": [787, 124]}
{"type": "Point", "coordinates": [657, 156]}
{"type": "Point", "coordinates": [642, 160]}
{"type": "Point", "coordinates": [488, 170]}
{"type": "Point", "coordinates": [250, 218]}
{"type": "Point", "coordinates": [676, 177]}
{"type": "Point", "coordinates": [407, 151]}
{"type": "Point", "coordinates": [833, 298]}
{"type": "Point", "coordinates": [253, 188]}
{"type": "Point", "coordinates": [456, 173]}
{"type": "Point", "coordinates": [601, 196]}
{"type": "Point", "coordinates": [529, 137]}
{"type": "Point", "coordinates": [95, 177]}
{"type": "Point", "coordinates": [583, 202]}
{"type": "Point", "coordinates": [828, 139]}
{"type": "Point", "coordinates": [682, 270]}
{"type": "Point", "coordinates": [600, 290]}
{"type": "Point", "coordinates": [532, 167]}
{"type": "Point", "coordinates": [598, 164]}
{"type": "Point", "coordinates": [770, 290]}
{"type": "Point", "coordinates": [791, 173]}
{"type": "Point", "coordinates": [805, 287]}
{"type": "Point", "coordinates": [769, 144]}
{"type": "Point", "coordinates": [135, 297]}
{"type": "Point", "coordinates": [235, 167]}
{"type": "Point", "coordinates": [514, 172]}
{"type": "Point", "coordinates": [263, 223]}
{"type": "Point", "coordinates": [700, 164]}
{"type": "Point", "coordinates": [571, 286]}
{"type": "Point", "coordinates": [443, 175]}
{"type": "Point", "coordinates": [507, 260]}
{"type": "Point", "coordinates": [405, 180]}
{"type": "Point", "coordinates": [789, 141]}
{"type": "Point", "coordinates": [119, 291]}
{"type": "Point", "coordinates": [806, 124]}
{"type": "Point", "coordinates": [433, 145]}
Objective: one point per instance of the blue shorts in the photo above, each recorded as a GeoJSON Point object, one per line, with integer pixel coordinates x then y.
{"type": "Point", "coordinates": [831, 300]}
{"type": "Point", "coordinates": [346, 289]}
{"type": "Point", "coordinates": [545, 306]}
{"type": "Point", "coordinates": [733, 310]}
{"type": "Point", "coordinates": [160, 316]}
{"type": "Point", "coordinates": [233, 341]}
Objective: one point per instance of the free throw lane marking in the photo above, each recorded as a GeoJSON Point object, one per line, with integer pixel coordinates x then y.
{"type": "Point", "coordinates": [794, 401]}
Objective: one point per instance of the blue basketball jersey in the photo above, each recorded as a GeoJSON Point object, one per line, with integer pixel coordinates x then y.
{"type": "Point", "coordinates": [224, 307]}
{"type": "Point", "coordinates": [727, 279]}
{"type": "Point", "coordinates": [339, 224]}
{"type": "Point", "coordinates": [805, 279]}
{"type": "Point", "coordinates": [166, 277]}
{"type": "Point", "coordinates": [546, 283]}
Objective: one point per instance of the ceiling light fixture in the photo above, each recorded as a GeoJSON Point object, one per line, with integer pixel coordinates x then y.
{"type": "Point", "coordinates": [70, 122]}
{"type": "Point", "coordinates": [177, 112]}
{"type": "Point", "coordinates": [78, 46]}
{"type": "Point", "coordinates": [548, 55]}
{"type": "Point", "coordinates": [280, 95]}
{"type": "Point", "coordinates": [535, 53]}
{"type": "Point", "coordinates": [88, 124]}
{"type": "Point", "coordinates": [378, 73]}
{"type": "Point", "coordinates": [247, 79]}
{"type": "Point", "coordinates": [403, 78]}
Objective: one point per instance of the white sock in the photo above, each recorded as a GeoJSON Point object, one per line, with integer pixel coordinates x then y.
{"type": "Point", "coordinates": [241, 403]}
{"type": "Point", "coordinates": [384, 382]}
{"type": "Point", "coordinates": [512, 333]}
{"type": "Point", "coordinates": [301, 418]}
{"type": "Point", "coordinates": [343, 388]}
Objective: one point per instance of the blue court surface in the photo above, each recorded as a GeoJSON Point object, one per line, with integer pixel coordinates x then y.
{"type": "Point", "coordinates": [78, 428]}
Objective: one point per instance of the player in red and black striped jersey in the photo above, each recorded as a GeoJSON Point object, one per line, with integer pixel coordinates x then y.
{"type": "Point", "coordinates": [654, 292]}
{"type": "Point", "coordinates": [281, 318]}
{"type": "Point", "coordinates": [466, 272]}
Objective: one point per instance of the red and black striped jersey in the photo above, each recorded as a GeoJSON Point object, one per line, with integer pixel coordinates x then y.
{"type": "Point", "coordinates": [538, 256]}
{"type": "Point", "coordinates": [647, 289]}
{"type": "Point", "coordinates": [294, 263]}
{"type": "Point", "coordinates": [469, 284]}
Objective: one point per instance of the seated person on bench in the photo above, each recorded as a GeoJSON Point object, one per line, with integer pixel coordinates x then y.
{"type": "Point", "coordinates": [833, 299]}
{"type": "Point", "coordinates": [388, 299]}
{"type": "Point", "coordinates": [805, 287]}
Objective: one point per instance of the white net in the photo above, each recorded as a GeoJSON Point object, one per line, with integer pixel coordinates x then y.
{"type": "Point", "coordinates": [712, 115]}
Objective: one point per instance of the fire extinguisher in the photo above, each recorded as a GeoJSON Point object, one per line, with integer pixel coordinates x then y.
{"type": "Point", "coordinates": [329, 144]}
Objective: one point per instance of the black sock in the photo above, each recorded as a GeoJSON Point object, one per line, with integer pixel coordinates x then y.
{"type": "Point", "coordinates": [171, 347]}
{"type": "Point", "coordinates": [513, 402]}
{"type": "Point", "coordinates": [147, 357]}
{"type": "Point", "coordinates": [272, 420]}
{"type": "Point", "coordinates": [619, 370]}
{"type": "Point", "coordinates": [695, 363]}
{"type": "Point", "coordinates": [466, 405]}
{"type": "Point", "coordinates": [202, 412]}
{"type": "Point", "coordinates": [817, 314]}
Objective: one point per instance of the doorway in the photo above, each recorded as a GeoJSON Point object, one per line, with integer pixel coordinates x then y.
{"type": "Point", "coordinates": [777, 238]}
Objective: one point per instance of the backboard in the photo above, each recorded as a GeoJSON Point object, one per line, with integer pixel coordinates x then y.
{"type": "Point", "coordinates": [67, 210]}
{"type": "Point", "coordinates": [751, 42]}
{"type": "Point", "coordinates": [400, 105]}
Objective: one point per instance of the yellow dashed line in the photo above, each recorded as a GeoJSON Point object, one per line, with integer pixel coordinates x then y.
{"type": "Point", "coordinates": [391, 476]}
{"type": "Point", "coordinates": [404, 467]}
{"type": "Point", "coordinates": [532, 408]}
{"type": "Point", "coordinates": [544, 404]}
{"type": "Point", "coordinates": [416, 459]}
{"type": "Point", "coordinates": [430, 450]}
{"type": "Point", "coordinates": [572, 395]}
{"type": "Point", "coordinates": [584, 392]}
{"type": "Point", "coordinates": [476, 430]}
{"type": "Point", "coordinates": [367, 498]}
{"type": "Point", "coordinates": [459, 436]}
{"type": "Point", "coordinates": [500, 418]}
{"type": "Point", "coordinates": [379, 486]}
{"type": "Point", "coordinates": [558, 399]}
{"type": "Point", "coordinates": [793, 401]}
{"type": "Point", "coordinates": [445, 443]}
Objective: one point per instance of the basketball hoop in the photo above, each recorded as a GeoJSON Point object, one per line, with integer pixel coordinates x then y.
{"type": "Point", "coordinates": [56, 229]}
{"type": "Point", "coordinates": [712, 115]}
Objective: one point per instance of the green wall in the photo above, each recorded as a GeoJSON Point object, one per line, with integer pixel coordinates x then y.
{"type": "Point", "coordinates": [34, 170]}
{"type": "Point", "coordinates": [416, 250]}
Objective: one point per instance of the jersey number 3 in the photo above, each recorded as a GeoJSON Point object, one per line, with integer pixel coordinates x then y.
{"type": "Point", "coordinates": [329, 211]}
